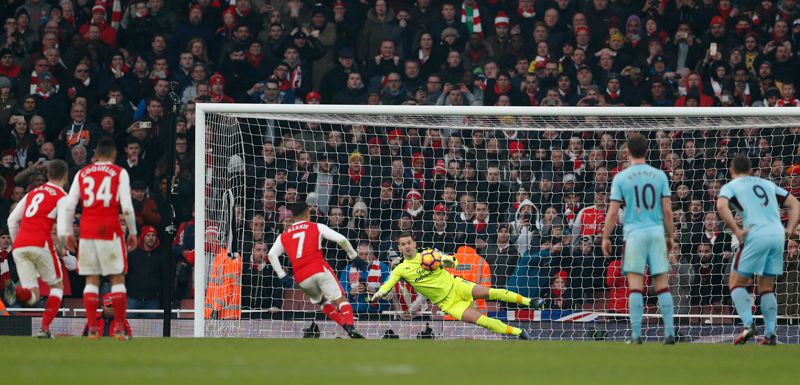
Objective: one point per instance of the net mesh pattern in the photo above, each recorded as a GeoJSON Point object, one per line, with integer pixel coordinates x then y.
{"type": "Point", "coordinates": [525, 195]}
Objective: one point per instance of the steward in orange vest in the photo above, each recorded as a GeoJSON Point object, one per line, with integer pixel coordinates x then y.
{"type": "Point", "coordinates": [224, 294]}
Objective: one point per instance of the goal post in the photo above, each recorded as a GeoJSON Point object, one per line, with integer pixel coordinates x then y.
{"type": "Point", "coordinates": [233, 185]}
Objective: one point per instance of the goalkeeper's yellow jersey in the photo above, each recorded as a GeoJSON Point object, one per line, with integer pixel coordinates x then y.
{"type": "Point", "coordinates": [434, 285]}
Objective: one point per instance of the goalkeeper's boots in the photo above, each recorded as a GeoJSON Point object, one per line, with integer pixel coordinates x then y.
{"type": "Point", "coordinates": [634, 341]}
{"type": "Point", "coordinates": [45, 334]}
{"type": "Point", "coordinates": [10, 294]}
{"type": "Point", "coordinates": [745, 335]}
{"type": "Point", "coordinates": [538, 303]}
{"type": "Point", "coordinates": [525, 336]}
{"type": "Point", "coordinates": [769, 341]}
{"type": "Point", "coordinates": [670, 340]}
{"type": "Point", "coordinates": [121, 336]}
{"type": "Point", "coordinates": [352, 332]}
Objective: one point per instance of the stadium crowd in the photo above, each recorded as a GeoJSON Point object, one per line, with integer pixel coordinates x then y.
{"type": "Point", "coordinates": [529, 205]}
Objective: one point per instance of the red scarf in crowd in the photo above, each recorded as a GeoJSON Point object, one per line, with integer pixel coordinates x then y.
{"type": "Point", "coordinates": [254, 60]}
{"type": "Point", "coordinates": [373, 274]}
{"type": "Point", "coordinates": [527, 13]}
{"type": "Point", "coordinates": [283, 84]}
{"type": "Point", "coordinates": [498, 91]}
{"type": "Point", "coordinates": [34, 87]}
{"type": "Point", "coordinates": [419, 176]}
{"type": "Point", "coordinates": [125, 69]}
{"type": "Point", "coordinates": [424, 56]}
{"type": "Point", "coordinates": [479, 226]}
{"type": "Point", "coordinates": [475, 56]}
{"type": "Point", "coordinates": [12, 71]}
{"type": "Point", "coordinates": [725, 13]}
{"type": "Point", "coordinates": [532, 99]}
{"type": "Point", "coordinates": [296, 77]}
{"type": "Point", "coordinates": [355, 177]}
{"type": "Point", "coordinates": [5, 272]}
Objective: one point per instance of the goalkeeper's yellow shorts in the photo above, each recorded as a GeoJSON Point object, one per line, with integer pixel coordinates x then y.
{"type": "Point", "coordinates": [459, 299]}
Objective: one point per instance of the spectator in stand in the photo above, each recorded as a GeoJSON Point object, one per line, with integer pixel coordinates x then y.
{"type": "Point", "coordinates": [261, 288]}
{"type": "Point", "coordinates": [145, 272]}
{"type": "Point", "coordinates": [529, 279]}
{"type": "Point", "coordinates": [683, 279]}
{"type": "Point", "coordinates": [79, 130]}
{"type": "Point", "coordinates": [360, 284]}
{"type": "Point", "coordinates": [146, 209]}
{"type": "Point", "coordinates": [337, 77]}
{"type": "Point", "coordinates": [5, 256]}
{"type": "Point", "coordinates": [394, 93]}
{"type": "Point", "coordinates": [50, 103]}
{"type": "Point", "coordinates": [710, 289]}
{"type": "Point", "coordinates": [585, 268]}
{"type": "Point", "coordinates": [713, 234]}
{"type": "Point", "coordinates": [589, 221]}
{"type": "Point", "coordinates": [437, 231]}
{"type": "Point", "coordinates": [788, 288]}
{"type": "Point", "coordinates": [355, 91]}
{"type": "Point", "coordinates": [502, 256]}
{"type": "Point", "coordinates": [559, 292]}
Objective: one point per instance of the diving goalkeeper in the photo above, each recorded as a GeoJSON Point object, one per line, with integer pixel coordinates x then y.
{"type": "Point", "coordinates": [451, 294]}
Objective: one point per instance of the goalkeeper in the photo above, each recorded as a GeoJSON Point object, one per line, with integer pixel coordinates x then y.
{"type": "Point", "coordinates": [451, 294]}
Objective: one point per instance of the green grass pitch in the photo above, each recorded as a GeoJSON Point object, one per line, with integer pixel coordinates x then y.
{"type": "Point", "coordinates": [25, 360]}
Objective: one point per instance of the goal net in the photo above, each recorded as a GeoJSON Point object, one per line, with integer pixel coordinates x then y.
{"type": "Point", "coordinates": [519, 195]}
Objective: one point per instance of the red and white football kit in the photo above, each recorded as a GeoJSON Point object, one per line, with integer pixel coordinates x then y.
{"type": "Point", "coordinates": [302, 243]}
{"type": "Point", "coordinates": [102, 188]}
{"type": "Point", "coordinates": [30, 226]}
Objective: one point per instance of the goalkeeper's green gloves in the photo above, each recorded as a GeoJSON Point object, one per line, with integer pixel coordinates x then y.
{"type": "Point", "coordinates": [448, 261]}
{"type": "Point", "coordinates": [378, 296]}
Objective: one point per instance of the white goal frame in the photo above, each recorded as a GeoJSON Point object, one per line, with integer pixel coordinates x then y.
{"type": "Point", "coordinates": [203, 109]}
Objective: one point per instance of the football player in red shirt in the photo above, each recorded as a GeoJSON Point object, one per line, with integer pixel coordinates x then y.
{"type": "Point", "coordinates": [102, 188]}
{"type": "Point", "coordinates": [302, 243]}
{"type": "Point", "coordinates": [30, 226]}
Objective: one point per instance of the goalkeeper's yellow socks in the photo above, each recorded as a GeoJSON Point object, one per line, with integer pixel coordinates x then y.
{"type": "Point", "coordinates": [497, 326]}
{"type": "Point", "coordinates": [508, 296]}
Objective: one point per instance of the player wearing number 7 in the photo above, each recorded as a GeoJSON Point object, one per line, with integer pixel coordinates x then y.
{"type": "Point", "coordinates": [102, 188]}
{"type": "Point", "coordinates": [761, 243]}
{"type": "Point", "coordinates": [30, 226]}
{"type": "Point", "coordinates": [302, 243]}
{"type": "Point", "coordinates": [648, 234]}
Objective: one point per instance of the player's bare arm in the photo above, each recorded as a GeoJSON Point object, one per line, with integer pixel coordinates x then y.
{"type": "Point", "coordinates": [608, 227]}
{"type": "Point", "coordinates": [669, 228]}
{"type": "Point", "coordinates": [724, 210]}
{"type": "Point", "coordinates": [793, 207]}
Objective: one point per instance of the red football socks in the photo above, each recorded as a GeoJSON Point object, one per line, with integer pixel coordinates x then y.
{"type": "Point", "coordinates": [330, 310]}
{"type": "Point", "coordinates": [346, 312]}
{"type": "Point", "coordinates": [23, 294]}
{"type": "Point", "coordinates": [50, 310]}
{"type": "Point", "coordinates": [90, 302]}
{"type": "Point", "coordinates": [120, 303]}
